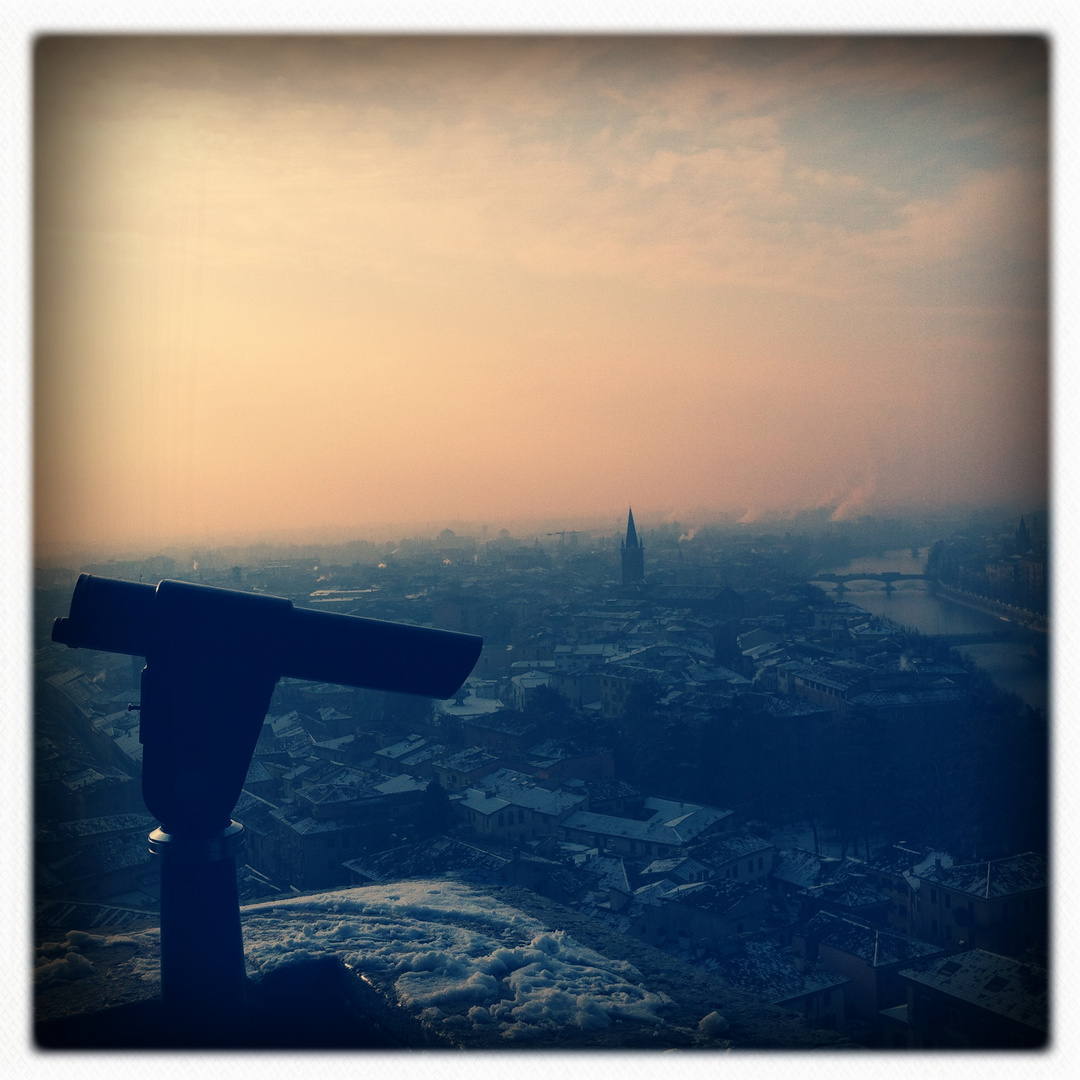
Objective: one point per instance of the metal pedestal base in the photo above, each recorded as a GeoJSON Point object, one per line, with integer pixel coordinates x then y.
{"type": "Point", "coordinates": [203, 980]}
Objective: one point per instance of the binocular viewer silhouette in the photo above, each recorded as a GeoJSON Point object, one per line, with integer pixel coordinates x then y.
{"type": "Point", "coordinates": [177, 621]}
{"type": "Point", "coordinates": [213, 658]}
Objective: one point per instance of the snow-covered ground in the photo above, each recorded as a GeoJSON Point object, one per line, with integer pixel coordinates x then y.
{"type": "Point", "coordinates": [454, 956]}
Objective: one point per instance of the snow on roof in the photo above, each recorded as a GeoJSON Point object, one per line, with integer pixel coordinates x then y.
{"type": "Point", "coordinates": [722, 849]}
{"type": "Point", "coordinates": [83, 779]}
{"type": "Point", "coordinates": [328, 712]}
{"type": "Point", "coordinates": [608, 872]}
{"type": "Point", "coordinates": [336, 744]}
{"type": "Point", "coordinates": [717, 673]}
{"type": "Point", "coordinates": [506, 787]}
{"type": "Point", "coordinates": [801, 868]}
{"type": "Point", "coordinates": [472, 705]}
{"type": "Point", "coordinates": [681, 867]}
{"type": "Point", "coordinates": [286, 725]}
{"type": "Point", "coordinates": [854, 897]}
{"type": "Point", "coordinates": [481, 802]}
{"type": "Point", "coordinates": [767, 970]}
{"type": "Point", "coordinates": [402, 783]}
{"type": "Point", "coordinates": [302, 823]}
{"type": "Point", "coordinates": [439, 856]}
{"type": "Point", "coordinates": [994, 879]}
{"type": "Point", "coordinates": [87, 828]}
{"type": "Point", "coordinates": [686, 819]}
{"type": "Point", "coordinates": [1000, 984]}
{"type": "Point", "coordinates": [622, 828]}
{"type": "Point", "coordinates": [531, 679]}
{"type": "Point", "coordinates": [467, 760]}
{"type": "Point", "coordinates": [256, 773]}
{"type": "Point", "coordinates": [422, 755]}
{"type": "Point", "coordinates": [875, 947]}
{"type": "Point", "coordinates": [399, 749]}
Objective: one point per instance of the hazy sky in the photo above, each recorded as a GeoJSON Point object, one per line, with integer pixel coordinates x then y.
{"type": "Point", "coordinates": [291, 284]}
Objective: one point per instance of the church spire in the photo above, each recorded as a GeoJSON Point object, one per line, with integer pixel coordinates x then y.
{"type": "Point", "coordinates": [632, 551]}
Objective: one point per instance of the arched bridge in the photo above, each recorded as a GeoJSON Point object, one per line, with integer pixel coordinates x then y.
{"type": "Point", "coordinates": [890, 578]}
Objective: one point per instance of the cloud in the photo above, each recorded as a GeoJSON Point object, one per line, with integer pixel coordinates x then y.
{"type": "Point", "coordinates": [1001, 214]}
{"type": "Point", "coordinates": [375, 260]}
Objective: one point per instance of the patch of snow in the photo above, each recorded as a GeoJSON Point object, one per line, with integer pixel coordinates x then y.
{"type": "Point", "coordinates": [714, 1025]}
{"type": "Point", "coordinates": [455, 957]}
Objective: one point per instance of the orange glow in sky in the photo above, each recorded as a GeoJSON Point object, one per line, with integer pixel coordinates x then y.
{"type": "Point", "coordinates": [320, 284]}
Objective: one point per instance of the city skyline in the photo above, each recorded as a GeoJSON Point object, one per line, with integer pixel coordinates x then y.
{"type": "Point", "coordinates": [331, 283]}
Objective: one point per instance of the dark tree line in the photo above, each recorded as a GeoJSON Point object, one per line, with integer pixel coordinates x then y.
{"type": "Point", "coordinates": [974, 782]}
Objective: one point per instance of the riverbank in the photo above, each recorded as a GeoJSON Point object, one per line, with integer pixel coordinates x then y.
{"type": "Point", "coordinates": [1029, 620]}
{"type": "Point", "coordinates": [944, 612]}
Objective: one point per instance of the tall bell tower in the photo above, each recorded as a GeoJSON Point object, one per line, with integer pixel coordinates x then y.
{"type": "Point", "coordinates": [632, 551]}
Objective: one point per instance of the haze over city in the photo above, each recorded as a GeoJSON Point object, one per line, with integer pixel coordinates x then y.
{"type": "Point", "coordinates": [544, 541]}
{"type": "Point", "coordinates": [315, 286]}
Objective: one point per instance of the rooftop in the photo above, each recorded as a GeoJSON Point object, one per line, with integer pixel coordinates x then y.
{"type": "Point", "coordinates": [767, 970]}
{"type": "Point", "coordinates": [993, 879]}
{"type": "Point", "coordinates": [999, 984]}
{"type": "Point", "coordinates": [875, 947]}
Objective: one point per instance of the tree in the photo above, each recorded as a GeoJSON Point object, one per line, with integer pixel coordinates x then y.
{"type": "Point", "coordinates": [436, 815]}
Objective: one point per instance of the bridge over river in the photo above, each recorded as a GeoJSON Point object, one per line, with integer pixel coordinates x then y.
{"type": "Point", "coordinates": [890, 578]}
{"type": "Point", "coordinates": [1015, 624]}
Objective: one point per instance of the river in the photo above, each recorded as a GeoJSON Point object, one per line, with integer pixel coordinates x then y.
{"type": "Point", "coordinates": [911, 603]}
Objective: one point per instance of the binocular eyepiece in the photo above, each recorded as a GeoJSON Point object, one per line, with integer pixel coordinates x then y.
{"type": "Point", "coordinates": [178, 621]}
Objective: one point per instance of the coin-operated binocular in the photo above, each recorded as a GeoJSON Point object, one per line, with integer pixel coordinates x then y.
{"type": "Point", "coordinates": [213, 658]}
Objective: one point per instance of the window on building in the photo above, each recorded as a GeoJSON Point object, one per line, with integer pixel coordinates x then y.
{"type": "Point", "coordinates": [933, 896]}
{"type": "Point", "coordinates": [750, 867]}
{"type": "Point", "coordinates": [761, 864]}
{"type": "Point", "coordinates": [948, 900]}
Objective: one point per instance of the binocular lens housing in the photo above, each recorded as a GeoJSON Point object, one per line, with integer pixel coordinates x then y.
{"type": "Point", "coordinates": [176, 618]}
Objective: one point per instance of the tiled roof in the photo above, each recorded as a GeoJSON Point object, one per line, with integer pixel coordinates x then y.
{"type": "Point", "coordinates": [607, 872]}
{"type": "Point", "coordinates": [720, 894]}
{"type": "Point", "coordinates": [994, 879]}
{"type": "Point", "coordinates": [92, 828]}
{"type": "Point", "coordinates": [1000, 984]}
{"type": "Point", "coordinates": [875, 947]}
{"type": "Point", "coordinates": [622, 828]}
{"type": "Point", "coordinates": [916, 697]}
{"type": "Point", "coordinates": [898, 859]}
{"type": "Point", "coordinates": [427, 858]}
{"type": "Point", "coordinates": [680, 867]}
{"type": "Point", "coordinates": [767, 971]}
{"type": "Point", "coordinates": [722, 849]}
{"type": "Point", "coordinates": [800, 868]}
